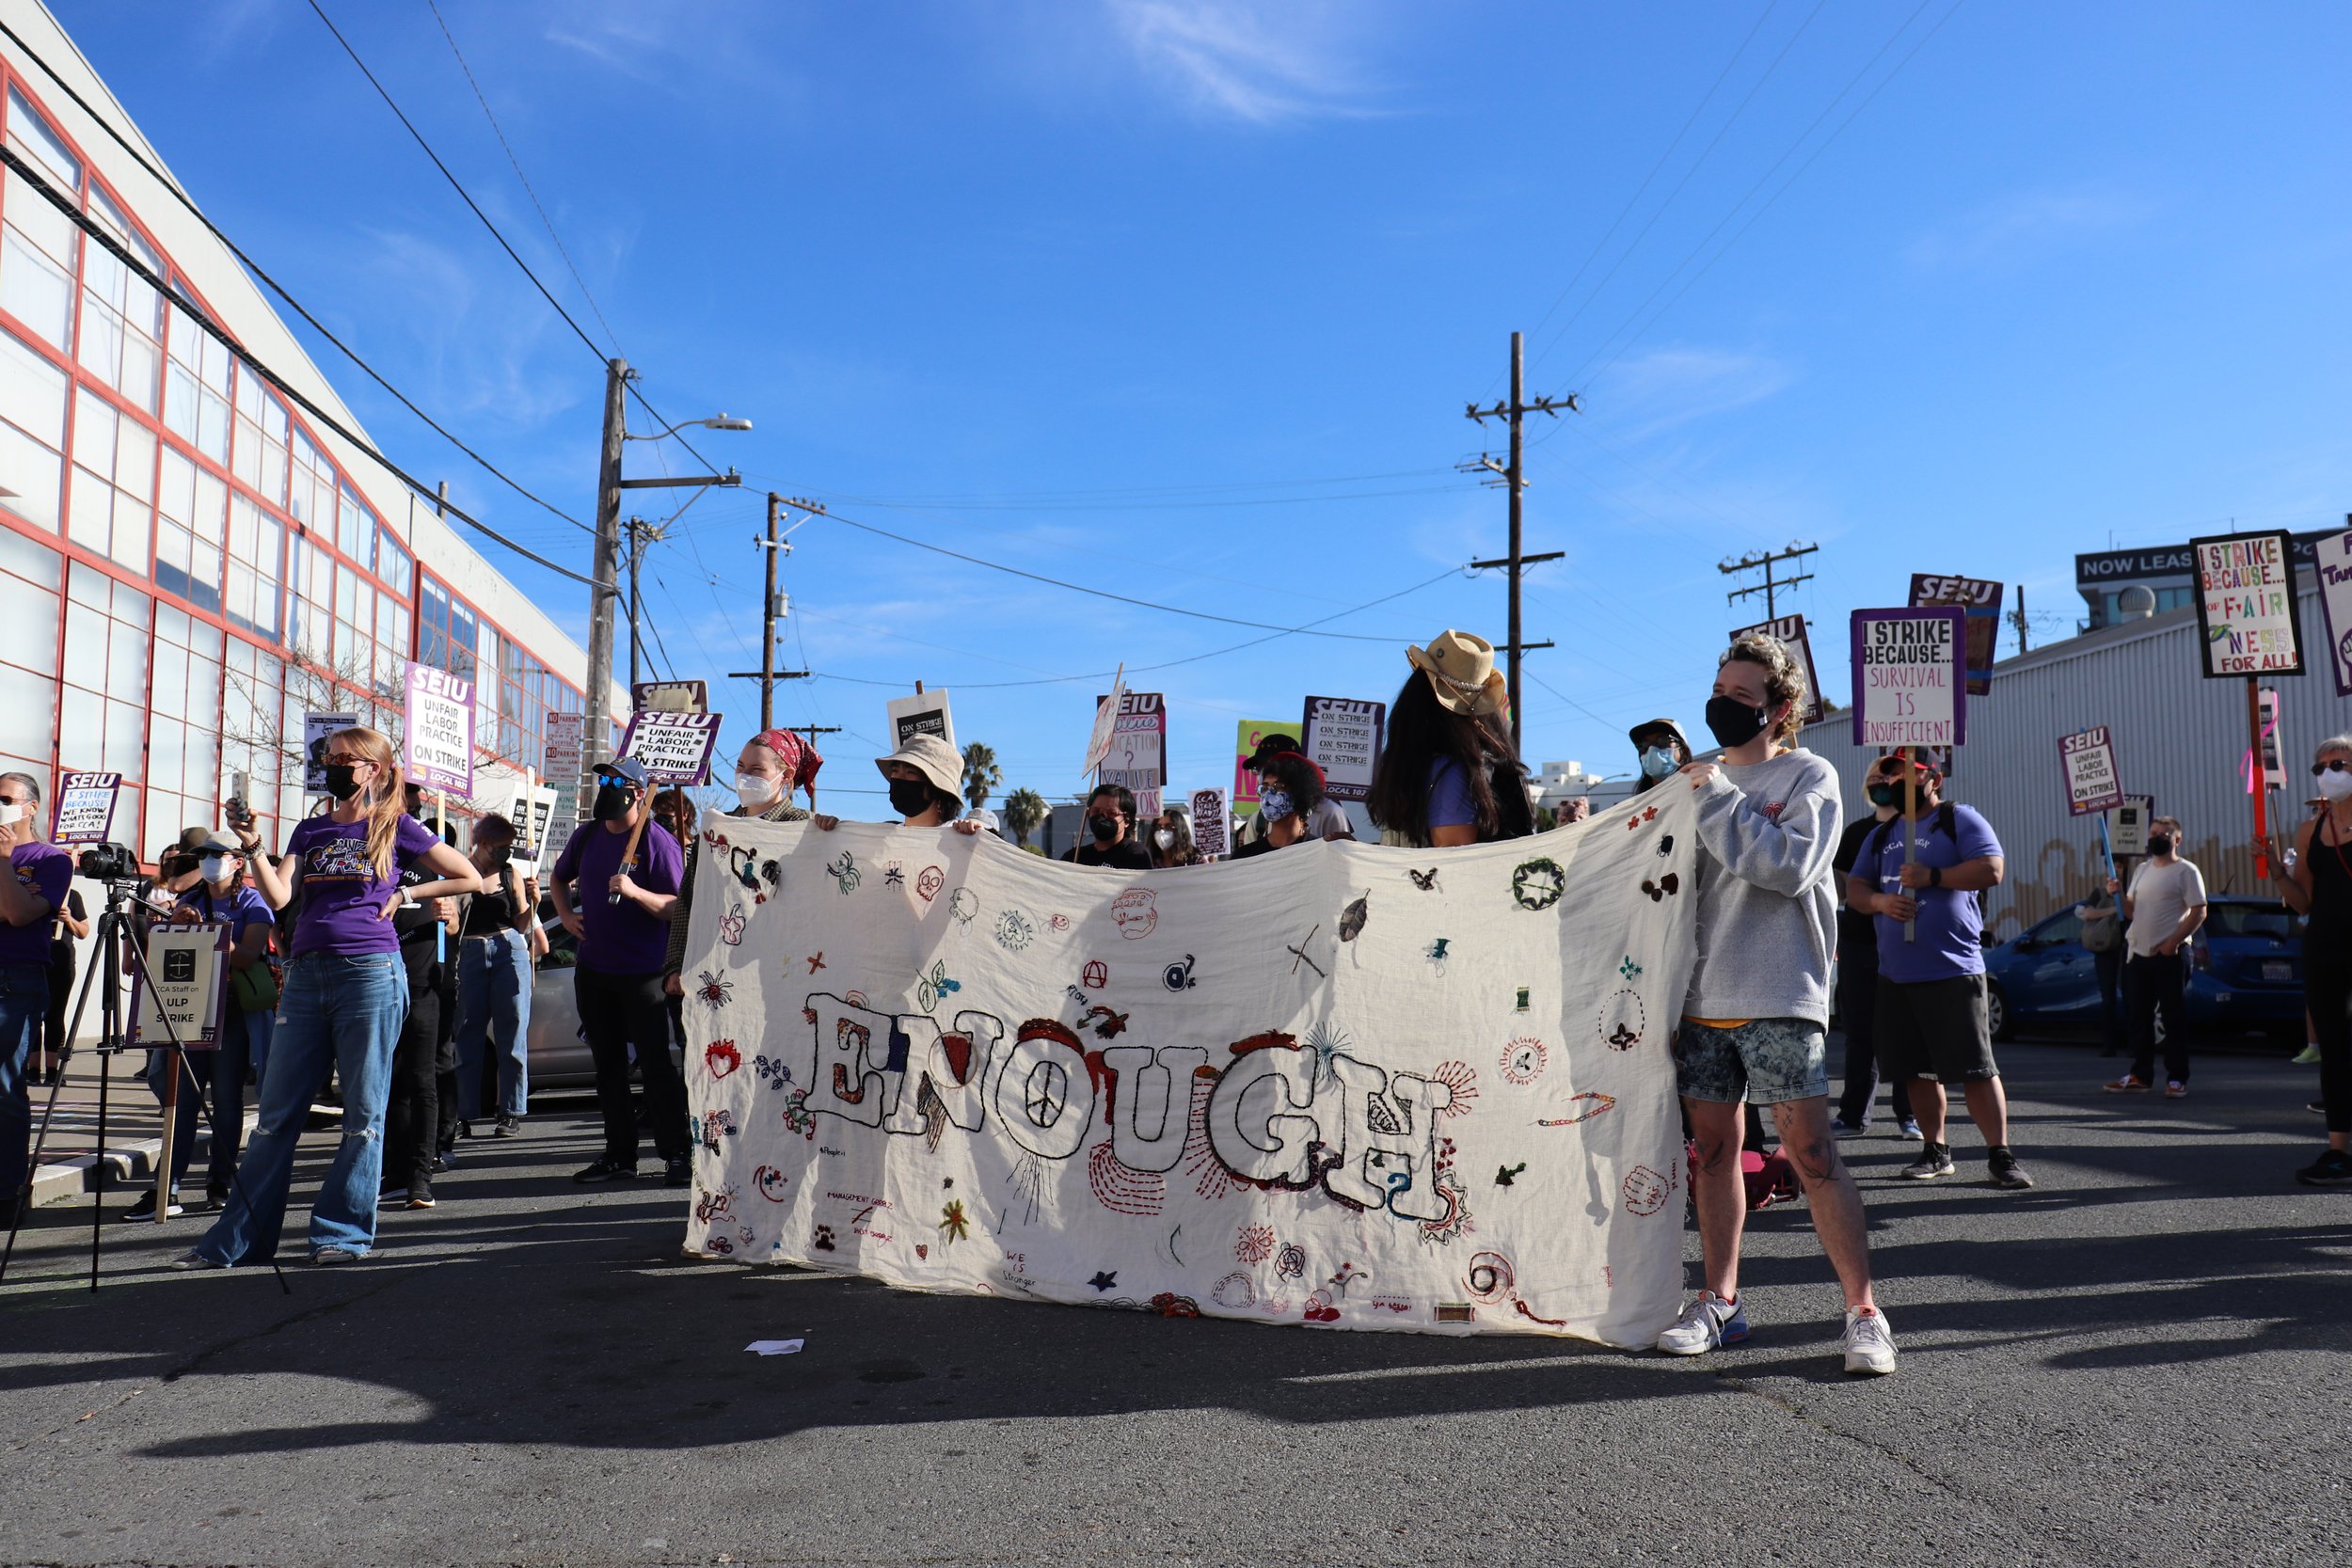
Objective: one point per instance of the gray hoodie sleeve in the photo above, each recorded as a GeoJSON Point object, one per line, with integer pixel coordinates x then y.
{"type": "Point", "coordinates": [1784, 853]}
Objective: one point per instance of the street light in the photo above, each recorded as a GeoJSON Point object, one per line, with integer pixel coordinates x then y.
{"type": "Point", "coordinates": [716, 422]}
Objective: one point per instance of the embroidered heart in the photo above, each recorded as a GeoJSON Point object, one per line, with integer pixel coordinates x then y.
{"type": "Point", "coordinates": [922, 1249]}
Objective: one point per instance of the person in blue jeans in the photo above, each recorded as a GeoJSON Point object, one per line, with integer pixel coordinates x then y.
{"type": "Point", "coordinates": [494, 981]}
{"type": "Point", "coordinates": [219, 894]}
{"type": "Point", "coordinates": [345, 995]}
{"type": "Point", "coordinates": [29, 897]}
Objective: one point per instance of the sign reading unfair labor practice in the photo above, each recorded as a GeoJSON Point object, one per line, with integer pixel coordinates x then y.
{"type": "Point", "coordinates": [1790, 631]}
{"type": "Point", "coordinates": [675, 747]}
{"type": "Point", "coordinates": [2246, 618]}
{"type": "Point", "coordinates": [1910, 686]}
{"type": "Point", "coordinates": [2092, 783]}
{"type": "Point", "coordinates": [1345, 1087]}
{"type": "Point", "coordinates": [438, 730]}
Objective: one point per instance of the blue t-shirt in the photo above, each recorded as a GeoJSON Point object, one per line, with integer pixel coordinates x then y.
{"type": "Point", "coordinates": [242, 906]}
{"type": "Point", "coordinates": [1451, 802]}
{"type": "Point", "coordinates": [1952, 923]}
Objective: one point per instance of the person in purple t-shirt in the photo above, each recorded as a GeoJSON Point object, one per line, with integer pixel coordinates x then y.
{"type": "Point", "coordinates": [28, 898]}
{"type": "Point", "coordinates": [344, 995]}
{"type": "Point", "coordinates": [1930, 1014]}
{"type": "Point", "coordinates": [621, 918]}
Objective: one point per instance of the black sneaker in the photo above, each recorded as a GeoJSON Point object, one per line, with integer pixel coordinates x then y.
{"type": "Point", "coordinates": [677, 1171]}
{"type": "Point", "coordinates": [215, 1199]}
{"type": "Point", "coordinates": [1934, 1160]}
{"type": "Point", "coordinates": [607, 1169]}
{"type": "Point", "coordinates": [420, 1191]}
{"type": "Point", "coordinates": [2333, 1169]}
{"type": "Point", "coordinates": [465, 1128]}
{"type": "Point", "coordinates": [508, 1127]}
{"type": "Point", "coordinates": [442, 1161]}
{"type": "Point", "coordinates": [2007, 1173]}
{"type": "Point", "coordinates": [144, 1207]}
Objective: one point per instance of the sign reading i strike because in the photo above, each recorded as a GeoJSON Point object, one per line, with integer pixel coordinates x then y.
{"type": "Point", "coordinates": [1910, 677]}
{"type": "Point", "coordinates": [2245, 609]}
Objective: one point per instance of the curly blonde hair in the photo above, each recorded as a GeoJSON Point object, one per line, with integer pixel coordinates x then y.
{"type": "Point", "coordinates": [1784, 679]}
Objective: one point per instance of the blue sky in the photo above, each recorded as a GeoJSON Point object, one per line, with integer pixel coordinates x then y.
{"type": "Point", "coordinates": [1184, 301]}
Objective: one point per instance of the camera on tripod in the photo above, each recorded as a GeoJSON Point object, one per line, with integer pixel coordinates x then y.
{"type": "Point", "coordinates": [109, 863]}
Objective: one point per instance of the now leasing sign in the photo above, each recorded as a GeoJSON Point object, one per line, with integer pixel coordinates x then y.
{"type": "Point", "coordinates": [1343, 1086]}
{"type": "Point", "coordinates": [1910, 677]}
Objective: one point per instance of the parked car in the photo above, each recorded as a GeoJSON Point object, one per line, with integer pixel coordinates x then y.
{"type": "Point", "coordinates": [2246, 972]}
{"type": "Point", "coordinates": [558, 1056]}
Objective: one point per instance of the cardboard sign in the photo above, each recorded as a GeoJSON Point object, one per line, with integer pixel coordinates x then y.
{"type": "Point", "coordinates": [1149, 804]}
{"type": "Point", "coordinates": [1910, 686]}
{"type": "Point", "coordinates": [2247, 617]}
{"type": "Point", "coordinates": [925, 713]}
{"type": "Point", "coordinates": [2127, 825]}
{"type": "Point", "coordinates": [1342, 736]}
{"type": "Point", "coordinates": [675, 747]}
{"type": "Point", "coordinates": [1106, 716]}
{"type": "Point", "coordinates": [191, 967]}
{"type": "Point", "coordinates": [1138, 750]}
{"type": "Point", "coordinates": [1789, 630]}
{"type": "Point", "coordinates": [533, 814]}
{"type": "Point", "coordinates": [85, 808]}
{"type": "Point", "coordinates": [1209, 833]}
{"type": "Point", "coordinates": [317, 727]}
{"type": "Point", "coordinates": [2331, 558]}
{"type": "Point", "coordinates": [670, 697]}
{"type": "Point", "coordinates": [1246, 737]}
{"type": "Point", "coordinates": [2092, 783]}
{"type": "Point", "coordinates": [1982, 601]}
{"type": "Point", "coordinates": [438, 734]}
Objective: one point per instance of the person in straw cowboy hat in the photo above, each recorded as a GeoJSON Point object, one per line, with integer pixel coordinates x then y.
{"type": "Point", "coordinates": [1449, 774]}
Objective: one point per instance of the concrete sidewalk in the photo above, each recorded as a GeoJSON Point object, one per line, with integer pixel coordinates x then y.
{"type": "Point", "coordinates": [70, 1160]}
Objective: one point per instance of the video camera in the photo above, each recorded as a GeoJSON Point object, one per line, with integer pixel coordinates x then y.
{"type": "Point", "coordinates": [109, 863]}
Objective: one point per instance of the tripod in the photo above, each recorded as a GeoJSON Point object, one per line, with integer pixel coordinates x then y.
{"type": "Point", "coordinates": [105, 978]}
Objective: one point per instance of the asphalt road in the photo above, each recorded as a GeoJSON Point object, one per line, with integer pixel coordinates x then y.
{"type": "Point", "coordinates": [2147, 1358]}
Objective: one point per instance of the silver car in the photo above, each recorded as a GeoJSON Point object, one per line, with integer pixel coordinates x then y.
{"type": "Point", "coordinates": [559, 1055]}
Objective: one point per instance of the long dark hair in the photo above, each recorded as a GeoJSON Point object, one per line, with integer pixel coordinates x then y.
{"type": "Point", "coordinates": [1422, 729]}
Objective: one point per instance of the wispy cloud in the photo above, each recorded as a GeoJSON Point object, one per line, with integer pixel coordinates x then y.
{"type": "Point", "coordinates": [2024, 227]}
{"type": "Point", "coordinates": [1255, 62]}
{"type": "Point", "coordinates": [1670, 387]}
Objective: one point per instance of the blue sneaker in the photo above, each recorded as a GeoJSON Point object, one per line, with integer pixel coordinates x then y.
{"type": "Point", "coordinates": [1710, 1323]}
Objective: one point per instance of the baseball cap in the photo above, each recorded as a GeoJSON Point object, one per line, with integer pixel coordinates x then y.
{"type": "Point", "coordinates": [627, 769]}
{"type": "Point", "coordinates": [1272, 745]}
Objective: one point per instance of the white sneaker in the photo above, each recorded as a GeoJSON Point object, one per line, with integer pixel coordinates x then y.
{"type": "Point", "coordinates": [1710, 1323]}
{"type": "Point", "coordinates": [1870, 1345]}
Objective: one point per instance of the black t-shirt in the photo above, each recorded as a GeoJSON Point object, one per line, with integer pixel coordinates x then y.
{"type": "Point", "coordinates": [1126, 855]}
{"type": "Point", "coordinates": [1265, 845]}
{"type": "Point", "coordinates": [1857, 933]}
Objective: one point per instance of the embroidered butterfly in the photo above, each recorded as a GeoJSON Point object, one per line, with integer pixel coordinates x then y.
{"type": "Point", "coordinates": [1425, 881]}
{"type": "Point", "coordinates": [1660, 889]}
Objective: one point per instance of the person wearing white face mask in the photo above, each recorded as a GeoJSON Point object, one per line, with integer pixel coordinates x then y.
{"type": "Point", "coordinates": [2316, 883]}
{"type": "Point", "coordinates": [770, 766]}
{"type": "Point", "coordinates": [1171, 841]}
{"type": "Point", "coordinates": [30, 891]}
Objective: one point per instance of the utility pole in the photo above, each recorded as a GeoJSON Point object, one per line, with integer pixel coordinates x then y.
{"type": "Point", "coordinates": [1771, 586]}
{"type": "Point", "coordinates": [1514, 482]}
{"type": "Point", "coordinates": [2017, 619]}
{"type": "Point", "coordinates": [775, 546]}
{"type": "Point", "coordinates": [593, 736]}
{"type": "Point", "coordinates": [641, 533]}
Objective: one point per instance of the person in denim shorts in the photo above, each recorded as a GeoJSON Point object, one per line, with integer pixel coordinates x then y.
{"type": "Point", "coordinates": [1754, 1023]}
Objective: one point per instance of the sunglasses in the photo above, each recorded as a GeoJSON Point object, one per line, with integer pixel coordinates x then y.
{"type": "Point", "coordinates": [344, 759]}
{"type": "Point", "coordinates": [2339, 766]}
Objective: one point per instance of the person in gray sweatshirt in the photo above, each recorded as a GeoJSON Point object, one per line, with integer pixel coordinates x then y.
{"type": "Point", "coordinates": [1754, 1024]}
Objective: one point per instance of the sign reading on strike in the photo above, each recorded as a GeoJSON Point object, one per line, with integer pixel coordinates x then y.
{"type": "Point", "coordinates": [1342, 736]}
{"type": "Point", "coordinates": [533, 811]}
{"type": "Point", "coordinates": [439, 730]}
{"type": "Point", "coordinates": [1910, 686]}
{"type": "Point", "coordinates": [1790, 631]}
{"type": "Point", "coordinates": [1137, 755]}
{"type": "Point", "coordinates": [85, 808]}
{"type": "Point", "coordinates": [2246, 611]}
{"type": "Point", "coordinates": [925, 713]}
{"type": "Point", "coordinates": [189, 964]}
{"type": "Point", "coordinates": [1982, 601]}
{"type": "Point", "coordinates": [2127, 825]}
{"type": "Point", "coordinates": [1208, 822]}
{"type": "Point", "coordinates": [675, 747]}
{"type": "Point", "coordinates": [2092, 783]}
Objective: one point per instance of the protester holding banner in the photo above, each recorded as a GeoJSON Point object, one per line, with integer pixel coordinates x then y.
{"type": "Point", "coordinates": [2317, 884]}
{"type": "Point", "coordinates": [2165, 904]}
{"type": "Point", "coordinates": [1110, 828]}
{"type": "Point", "coordinates": [621, 918]}
{"type": "Point", "coordinates": [764, 771]}
{"type": "Point", "coordinates": [1756, 1014]}
{"type": "Point", "coordinates": [1326, 818]}
{"type": "Point", "coordinates": [1857, 996]}
{"type": "Point", "coordinates": [1660, 752]}
{"type": "Point", "coordinates": [1171, 841]}
{"type": "Point", "coordinates": [1930, 1017]}
{"type": "Point", "coordinates": [1289, 789]}
{"type": "Point", "coordinates": [28, 899]}
{"type": "Point", "coordinates": [344, 995]}
{"type": "Point", "coordinates": [924, 776]}
{"type": "Point", "coordinates": [1449, 774]}
{"type": "Point", "coordinates": [493, 1024]}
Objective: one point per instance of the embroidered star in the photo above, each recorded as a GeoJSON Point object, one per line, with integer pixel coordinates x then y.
{"type": "Point", "coordinates": [1105, 1279]}
{"type": "Point", "coordinates": [815, 962]}
{"type": "Point", "coordinates": [1650, 815]}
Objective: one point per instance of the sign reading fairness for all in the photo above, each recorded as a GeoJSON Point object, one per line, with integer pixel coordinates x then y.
{"type": "Point", "coordinates": [2245, 609]}
{"type": "Point", "coordinates": [1910, 681]}
{"type": "Point", "coordinates": [2092, 783]}
{"type": "Point", "coordinates": [439, 730]}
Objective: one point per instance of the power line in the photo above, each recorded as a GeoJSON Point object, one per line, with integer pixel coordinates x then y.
{"type": "Point", "coordinates": [275, 287]}
{"type": "Point", "coordinates": [146, 275]}
{"type": "Point", "coordinates": [500, 131]}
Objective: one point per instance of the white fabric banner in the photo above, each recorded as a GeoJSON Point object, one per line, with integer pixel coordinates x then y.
{"type": "Point", "coordinates": [1339, 1084]}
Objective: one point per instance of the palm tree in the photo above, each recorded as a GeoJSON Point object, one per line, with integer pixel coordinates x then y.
{"type": "Point", "coordinates": [1024, 810]}
{"type": "Point", "coordinates": [980, 773]}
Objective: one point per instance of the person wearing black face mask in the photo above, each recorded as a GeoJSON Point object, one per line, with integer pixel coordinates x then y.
{"type": "Point", "coordinates": [1109, 824]}
{"type": "Point", "coordinates": [2165, 904]}
{"type": "Point", "coordinates": [922, 777]}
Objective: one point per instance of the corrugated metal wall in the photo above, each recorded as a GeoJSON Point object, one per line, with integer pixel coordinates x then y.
{"type": "Point", "coordinates": [2178, 736]}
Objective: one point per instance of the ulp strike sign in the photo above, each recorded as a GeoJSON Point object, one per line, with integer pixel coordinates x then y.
{"type": "Point", "coordinates": [1910, 677]}
{"type": "Point", "coordinates": [2245, 609]}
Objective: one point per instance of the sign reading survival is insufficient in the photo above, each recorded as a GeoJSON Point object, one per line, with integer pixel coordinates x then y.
{"type": "Point", "coordinates": [1910, 678]}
